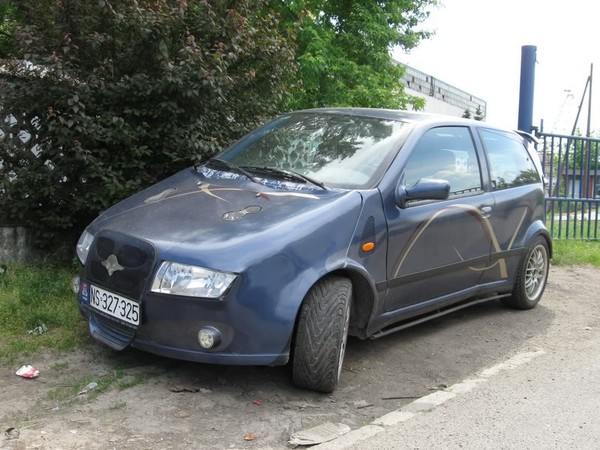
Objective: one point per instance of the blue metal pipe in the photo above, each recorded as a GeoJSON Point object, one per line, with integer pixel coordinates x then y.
{"type": "Point", "coordinates": [528, 58]}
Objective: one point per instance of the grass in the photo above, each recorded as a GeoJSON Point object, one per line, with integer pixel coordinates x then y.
{"type": "Point", "coordinates": [38, 310]}
{"type": "Point", "coordinates": [575, 240]}
{"type": "Point", "coordinates": [574, 228]}
{"type": "Point", "coordinates": [576, 252]}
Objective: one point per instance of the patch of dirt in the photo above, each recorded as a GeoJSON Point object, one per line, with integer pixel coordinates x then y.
{"type": "Point", "coordinates": [145, 401]}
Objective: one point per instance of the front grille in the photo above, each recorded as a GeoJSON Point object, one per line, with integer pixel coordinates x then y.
{"type": "Point", "coordinates": [134, 260]}
{"type": "Point", "coordinates": [112, 333]}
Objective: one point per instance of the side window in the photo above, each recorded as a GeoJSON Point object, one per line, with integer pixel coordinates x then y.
{"type": "Point", "coordinates": [446, 153]}
{"type": "Point", "coordinates": [509, 161]}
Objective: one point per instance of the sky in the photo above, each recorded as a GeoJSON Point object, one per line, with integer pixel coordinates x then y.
{"type": "Point", "coordinates": [477, 48]}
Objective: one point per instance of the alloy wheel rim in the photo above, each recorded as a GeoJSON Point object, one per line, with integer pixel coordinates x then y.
{"type": "Point", "coordinates": [536, 272]}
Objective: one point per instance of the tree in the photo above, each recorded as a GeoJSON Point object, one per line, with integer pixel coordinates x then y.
{"type": "Point", "coordinates": [344, 51]}
{"type": "Point", "coordinates": [7, 22]}
{"type": "Point", "coordinates": [582, 153]}
{"type": "Point", "coordinates": [116, 94]}
{"type": "Point", "coordinates": [479, 114]}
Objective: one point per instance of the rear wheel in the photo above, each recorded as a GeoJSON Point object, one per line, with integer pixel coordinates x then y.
{"type": "Point", "coordinates": [320, 341]}
{"type": "Point", "coordinates": [531, 276]}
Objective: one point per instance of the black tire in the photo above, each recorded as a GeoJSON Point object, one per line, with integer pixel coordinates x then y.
{"type": "Point", "coordinates": [321, 335]}
{"type": "Point", "coordinates": [532, 275]}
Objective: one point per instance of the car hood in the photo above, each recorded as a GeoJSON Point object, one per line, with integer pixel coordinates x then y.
{"type": "Point", "coordinates": [193, 214]}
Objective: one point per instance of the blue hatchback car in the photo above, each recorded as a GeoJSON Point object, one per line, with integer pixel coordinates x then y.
{"type": "Point", "coordinates": [321, 224]}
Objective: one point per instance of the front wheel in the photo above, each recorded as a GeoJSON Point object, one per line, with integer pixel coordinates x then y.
{"type": "Point", "coordinates": [531, 276]}
{"type": "Point", "coordinates": [320, 341]}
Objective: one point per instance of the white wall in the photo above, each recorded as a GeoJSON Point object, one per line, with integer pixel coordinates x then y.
{"type": "Point", "coordinates": [435, 106]}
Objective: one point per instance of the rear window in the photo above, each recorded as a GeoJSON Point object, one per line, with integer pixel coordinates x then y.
{"type": "Point", "coordinates": [509, 162]}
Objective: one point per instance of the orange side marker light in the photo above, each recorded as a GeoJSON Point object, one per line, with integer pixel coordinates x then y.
{"type": "Point", "coordinates": [368, 246]}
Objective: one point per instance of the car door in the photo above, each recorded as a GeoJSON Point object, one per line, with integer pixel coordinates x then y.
{"type": "Point", "coordinates": [436, 248]}
{"type": "Point", "coordinates": [516, 186]}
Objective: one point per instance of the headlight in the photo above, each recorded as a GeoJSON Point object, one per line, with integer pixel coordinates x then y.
{"type": "Point", "coordinates": [83, 246]}
{"type": "Point", "coordinates": [192, 281]}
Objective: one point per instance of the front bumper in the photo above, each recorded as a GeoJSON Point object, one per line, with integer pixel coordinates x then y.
{"type": "Point", "coordinates": [170, 327]}
{"type": "Point", "coordinates": [255, 319]}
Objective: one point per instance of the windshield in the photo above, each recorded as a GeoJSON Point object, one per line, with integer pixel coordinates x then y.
{"type": "Point", "coordinates": [333, 149]}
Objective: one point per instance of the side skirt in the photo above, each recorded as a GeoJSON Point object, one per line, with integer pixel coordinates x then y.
{"type": "Point", "coordinates": [434, 314]}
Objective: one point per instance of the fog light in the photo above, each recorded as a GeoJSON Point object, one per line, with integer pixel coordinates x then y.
{"type": "Point", "coordinates": [75, 281]}
{"type": "Point", "coordinates": [209, 337]}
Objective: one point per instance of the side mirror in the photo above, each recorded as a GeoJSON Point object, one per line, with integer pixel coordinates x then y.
{"type": "Point", "coordinates": [425, 189]}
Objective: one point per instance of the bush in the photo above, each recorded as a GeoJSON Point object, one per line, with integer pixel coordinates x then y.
{"type": "Point", "coordinates": [107, 97]}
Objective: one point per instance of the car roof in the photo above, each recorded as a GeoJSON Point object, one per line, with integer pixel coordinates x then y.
{"type": "Point", "coordinates": [413, 117]}
{"type": "Point", "coordinates": [394, 114]}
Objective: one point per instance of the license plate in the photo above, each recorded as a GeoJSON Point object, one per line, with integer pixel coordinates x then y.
{"type": "Point", "coordinates": [115, 305]}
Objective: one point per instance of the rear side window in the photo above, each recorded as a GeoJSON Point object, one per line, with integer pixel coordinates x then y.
{"type": "Point", "coordinates": [509, 161]}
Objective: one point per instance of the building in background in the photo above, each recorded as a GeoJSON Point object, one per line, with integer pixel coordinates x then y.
{"type": "Point", "coordinates": [441, 97]}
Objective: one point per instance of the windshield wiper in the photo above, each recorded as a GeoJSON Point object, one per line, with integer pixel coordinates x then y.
{"type": "Point", "coordinates": [231, 167]}
{"type": "Point", "coordinates": [309, 179]}
{"type": "Point", "coordinates": [288, 174]}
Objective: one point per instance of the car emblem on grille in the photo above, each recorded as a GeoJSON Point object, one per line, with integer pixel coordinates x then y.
{"type": "Point", "coordinates": [112, 265]}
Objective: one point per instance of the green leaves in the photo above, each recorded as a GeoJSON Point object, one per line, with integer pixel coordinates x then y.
{"type": "Point", "coordinates": [117, 95]}
{"type": "Point", "coordinates": [343, 51]}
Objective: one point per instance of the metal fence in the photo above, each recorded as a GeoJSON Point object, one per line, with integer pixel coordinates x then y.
{"type": "Point", "coordinates": [572, 174]}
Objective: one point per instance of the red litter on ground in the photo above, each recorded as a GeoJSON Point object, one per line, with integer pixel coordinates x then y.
{"type": "Point", "coordinates": [28, 371]}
